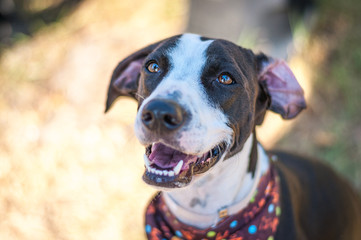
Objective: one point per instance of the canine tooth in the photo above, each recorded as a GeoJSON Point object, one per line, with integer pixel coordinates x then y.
{"type": "Point", "coordinates": [165, 172]}
{"type": "Point", "coordinates": [146, 161]}
{"type": "Point", "coordinates": [171, 173]}
{"type": "Point", "coordinates": [153, 170]}
{"type": "Point", "coordinates": [177, 168]}
{"type": "Point", "coordinates": [159, 172]}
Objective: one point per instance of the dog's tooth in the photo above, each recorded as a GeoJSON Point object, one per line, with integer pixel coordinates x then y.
{"type": "Point", "coordinates": [159, 172]}
{"type": "Point", "coordinates": [165, 172]}
{"type": "Point", "coordinates": [152, 170]}
{"type": "Point", "coordinates": [171, 173]}
{"type": "Point", "coordinates": [177, 168]}
{"type": "Point", "coordinates": [146, 161]}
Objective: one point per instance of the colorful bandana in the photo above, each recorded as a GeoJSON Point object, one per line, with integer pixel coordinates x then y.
{"type": "Point", "coordinates": [258, 221]}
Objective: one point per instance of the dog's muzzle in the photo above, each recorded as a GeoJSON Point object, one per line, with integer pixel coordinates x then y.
{"type": "Point", "coordinates": [166, 164]}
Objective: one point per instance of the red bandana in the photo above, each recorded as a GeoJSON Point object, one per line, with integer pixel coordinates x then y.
{"type": "Point", "coordinates": [258, 221]}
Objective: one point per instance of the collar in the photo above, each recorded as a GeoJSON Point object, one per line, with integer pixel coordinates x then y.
{"type": "Point", "coordinates": [257, 220]}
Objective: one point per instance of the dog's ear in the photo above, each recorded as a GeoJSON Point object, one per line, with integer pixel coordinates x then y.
{"type": "Point", "coordinates": [124, 81]}
{"type": "Point", "coordinates": [279, 90]}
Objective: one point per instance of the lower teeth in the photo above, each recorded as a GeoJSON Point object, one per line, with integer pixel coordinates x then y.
{"type": "Point", "coordinates": [176, 170]}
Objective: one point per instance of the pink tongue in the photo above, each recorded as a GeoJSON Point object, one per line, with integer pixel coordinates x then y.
{"type": "Point", "coordinates": [166, 157]}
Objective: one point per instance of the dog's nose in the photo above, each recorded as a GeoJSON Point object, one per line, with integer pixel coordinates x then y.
{"type": "Point", "coordinates": [162, 115]}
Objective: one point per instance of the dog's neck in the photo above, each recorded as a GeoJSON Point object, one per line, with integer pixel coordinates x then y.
{"type": "Point", "coordinates": [228, 187]}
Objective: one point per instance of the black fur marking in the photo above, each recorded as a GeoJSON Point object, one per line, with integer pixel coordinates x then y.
{"type": "Point", "coordinates": [237, 100]}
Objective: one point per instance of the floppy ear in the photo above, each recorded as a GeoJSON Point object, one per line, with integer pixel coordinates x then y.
{"type": "Point", "coordinates": [124, 81]}
{"type": "Point", "coordinates": [279, 90]}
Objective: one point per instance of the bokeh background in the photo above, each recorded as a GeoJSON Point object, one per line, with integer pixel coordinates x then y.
{"type": "Point", "coordinates": [67, 171]}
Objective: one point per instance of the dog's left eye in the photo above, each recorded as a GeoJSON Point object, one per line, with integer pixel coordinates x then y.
{"type": "Point", "coordinates": [153, 67]}
{"type": "Point", "coordinates": [225, 79]}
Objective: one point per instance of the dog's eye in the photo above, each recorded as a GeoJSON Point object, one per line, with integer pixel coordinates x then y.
{"type": "Point", "coordinates": [153, 67]}
{"type": "Point", "coordinates": [225, 79]}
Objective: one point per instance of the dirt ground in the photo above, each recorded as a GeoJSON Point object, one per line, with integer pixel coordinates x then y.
{"type": "Point", "coordinates": [67, 171]}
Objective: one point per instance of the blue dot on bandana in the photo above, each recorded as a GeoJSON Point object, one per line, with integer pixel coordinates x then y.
{"type": "Point", "coordinates": [252, 229]}
{"type": "Point", "coordinates": [148, 228]}
{"type": "Point", "coordinates": [178, 233]}
{"type": "Point", "coordinates": [233, 224]}
{"type": "Point", "coordinates": [271, 207]}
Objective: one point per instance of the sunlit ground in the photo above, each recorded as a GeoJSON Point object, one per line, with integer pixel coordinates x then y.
{"type": "Point", "coordinates": [67, 171]}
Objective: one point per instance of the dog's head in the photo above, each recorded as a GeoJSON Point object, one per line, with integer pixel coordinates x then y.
{"type": "Point", "coordinates": [199, 100]}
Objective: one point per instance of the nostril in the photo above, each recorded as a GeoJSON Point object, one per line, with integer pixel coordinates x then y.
{"type": "Point", "coordinates": [171, 120]}
{"type": "Point", "coordinates": [147, 117]}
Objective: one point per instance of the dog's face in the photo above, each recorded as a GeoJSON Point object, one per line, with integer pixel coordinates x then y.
{"type": "Point", "coordinates": [199, 100]}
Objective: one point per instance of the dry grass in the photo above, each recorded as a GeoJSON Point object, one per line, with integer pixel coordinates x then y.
{"type": "Point", "coordinates": [67, 171]}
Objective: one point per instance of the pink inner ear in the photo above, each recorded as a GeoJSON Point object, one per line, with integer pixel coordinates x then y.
{"type": "Point", "coordinates": [125, 81]}
{"type": "Point", "coordinates": [287, 97]}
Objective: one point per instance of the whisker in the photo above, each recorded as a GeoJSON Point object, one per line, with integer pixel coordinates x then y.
{"type": "Point", "coordinates": [140, 96]}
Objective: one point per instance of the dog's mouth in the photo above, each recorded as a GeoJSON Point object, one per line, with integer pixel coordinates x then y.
{"type": "Point", "coordinates": [170, 168]}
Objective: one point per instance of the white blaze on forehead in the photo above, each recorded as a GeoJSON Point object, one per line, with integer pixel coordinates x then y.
{"type": "Point", "coordinates": [188, 58]}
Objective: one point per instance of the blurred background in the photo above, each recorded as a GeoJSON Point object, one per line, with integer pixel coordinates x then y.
{"type": "Point", "coordinates": [67, 171]}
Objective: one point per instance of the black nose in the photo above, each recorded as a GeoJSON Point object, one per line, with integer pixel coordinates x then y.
{"type": "Point", "coordinates": [162, 115]}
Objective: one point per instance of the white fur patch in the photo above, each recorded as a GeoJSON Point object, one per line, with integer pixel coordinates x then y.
{"type": "Point", "coordinates": [227, 184]}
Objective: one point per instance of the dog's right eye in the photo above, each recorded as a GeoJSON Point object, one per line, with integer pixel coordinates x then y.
{"type": "Point", "coordinates": [153, 67]}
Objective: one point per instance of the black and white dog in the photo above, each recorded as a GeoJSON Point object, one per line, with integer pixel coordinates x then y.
{"type": "Point", "coordinates": [199, 102]}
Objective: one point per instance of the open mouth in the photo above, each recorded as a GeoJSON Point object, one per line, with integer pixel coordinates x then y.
{"type": "Point", "coordinates": [170, 168]}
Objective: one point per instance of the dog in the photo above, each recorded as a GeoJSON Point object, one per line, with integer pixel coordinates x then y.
{"type": "Point", "coordinates": [200, 100]}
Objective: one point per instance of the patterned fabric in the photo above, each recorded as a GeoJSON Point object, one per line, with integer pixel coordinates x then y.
{"type": "Point", "coordinates": [258, 221]}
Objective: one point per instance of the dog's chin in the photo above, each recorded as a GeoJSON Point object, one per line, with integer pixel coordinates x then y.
{"type": "Point", "coordinates": [166, 167]}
